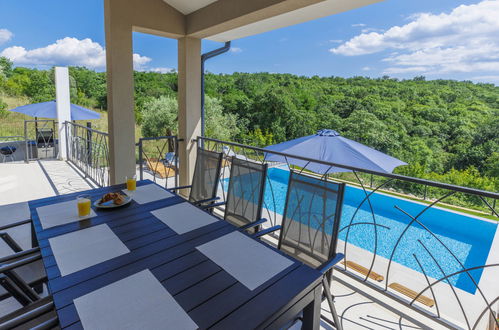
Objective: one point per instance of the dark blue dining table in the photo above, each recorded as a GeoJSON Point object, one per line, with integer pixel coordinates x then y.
{"type": "Point", "coordinates": [208, 294]}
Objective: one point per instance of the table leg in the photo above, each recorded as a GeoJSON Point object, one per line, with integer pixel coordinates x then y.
{"type": "Point", "coordinates": [312, 313]}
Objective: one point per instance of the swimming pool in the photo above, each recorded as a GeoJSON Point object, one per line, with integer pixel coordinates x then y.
{"type": "Point", "coordinates": [467, 237]}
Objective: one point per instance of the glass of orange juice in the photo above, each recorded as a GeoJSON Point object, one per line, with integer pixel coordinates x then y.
{"type": "Point", "coordinates": [131, 183]}
{"type": "Point", "coordinates": [83, 202]}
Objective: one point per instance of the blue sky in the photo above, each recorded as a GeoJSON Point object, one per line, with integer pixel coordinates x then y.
{"type": "Point", "coordinates": [400, 38]}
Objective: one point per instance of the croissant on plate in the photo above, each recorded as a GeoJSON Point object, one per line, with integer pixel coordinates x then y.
{"type": "Point", "coordinates": [116, 197]}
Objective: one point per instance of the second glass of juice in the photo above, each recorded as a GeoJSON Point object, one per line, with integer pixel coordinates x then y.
{"type": "Point", "coordinates": [131, 183]}
{"type": "Point", "coordinates": [83, 202]}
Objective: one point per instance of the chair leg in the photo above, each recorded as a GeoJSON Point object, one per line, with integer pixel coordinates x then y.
{"type": "Point", "coordinates": [7, 284]}
{"type": "Point", "coordinates": [330, 301]}
{"type": "Point", "coordinates": [10, 242]}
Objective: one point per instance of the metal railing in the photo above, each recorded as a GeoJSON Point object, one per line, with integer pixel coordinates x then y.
{"type": "Point", "coordinates": [436, 254]}
{"type": "Point", "coordinates": [88, 150]}
{"type": "Point", "coordinates": [158, 160]}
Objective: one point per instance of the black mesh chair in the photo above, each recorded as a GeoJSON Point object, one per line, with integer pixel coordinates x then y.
{"type": "Point", "coordinates": [45, 137]}
{"type": "Point", "coordinates": [205, 179]}
{"type": "Point", "coordinates": [32, 273]}
{"type": "Point", "coordinates": [243, 205]}
{"type": "Point", "coordinates": [36, 312]}
{"type": "Point", "coordinates": [7, 152]}
{"type": "Point", "coordinates": [309, 230]}
{"type": "Point", "coordinates": [25, 267]}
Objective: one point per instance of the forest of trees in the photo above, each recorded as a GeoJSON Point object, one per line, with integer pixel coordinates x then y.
{"type": "Point", "coordinates": [446, 130]}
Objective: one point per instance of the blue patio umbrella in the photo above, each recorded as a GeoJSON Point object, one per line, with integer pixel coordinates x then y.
{"type": "Point", "coordinates": [49, 110]}
{"type": "Point", "coordinates": [328, 145]}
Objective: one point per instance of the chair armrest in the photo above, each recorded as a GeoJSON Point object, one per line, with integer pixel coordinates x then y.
{"type": "Point", "coordinates": [253, 224]}
{"type": "Point", "coordinates": [325, 267]}
{"type": "Point", "coordinates": [211, 206]}
{"type": "Point", "coordinates": [15, 224]}
{"type": "Point", "coordinates": [178, 188]}
{"type": "Point", "coordinates": [16, 264]}
{"type": "Point", "coordinates": [19, 255]}
{"type": "Point", "coordinates": [206, 200]}
{"type": "Point", "coordinates": [266, 231]}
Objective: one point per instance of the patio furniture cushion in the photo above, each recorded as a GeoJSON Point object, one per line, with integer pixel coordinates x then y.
{"type": "Point", "coordinates": [7, 150]}
{"type": "Point", "coordinates": [183, 218]}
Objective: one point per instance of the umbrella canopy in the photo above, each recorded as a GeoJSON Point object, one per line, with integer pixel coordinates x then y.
{"type": "Point", "coordinates": [49, 110]}
{"type": "Point", "coordinates": [330, 146]}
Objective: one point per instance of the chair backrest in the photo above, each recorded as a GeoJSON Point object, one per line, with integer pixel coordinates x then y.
{"type": "Point", "coordinates": [206, 175]}
{"type": "Point", "coordinates": [245, 193]}
{"type": "Point", "coordinates": [311, 219]}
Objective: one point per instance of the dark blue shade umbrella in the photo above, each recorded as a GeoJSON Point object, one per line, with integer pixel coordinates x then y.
{"type": "Point", "coordinates": [330, 146]}
{"type": "Point", "coordinates": [49, 110]}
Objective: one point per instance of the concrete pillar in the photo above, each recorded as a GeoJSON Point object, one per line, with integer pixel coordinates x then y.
{"type": "Point", "coordinates": [120, 99]}
{"type": "Point", "coordinates": [63, 104]}
{"type": "Point", "coordinates": [189, 104]}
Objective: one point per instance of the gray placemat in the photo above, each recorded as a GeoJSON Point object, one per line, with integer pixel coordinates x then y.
{"type": "Point", "coordinates": [12, 213]}
{"type": "Point", "coordinates": [148, 193]}
{"type": "Point", "coordinates": [247, 260]}
{"type": "Point", "coordinates": [60, 214]}
{"type": "Point", "coordinates": [135, 302]}
{"type": "Point", "coordinates": [183, 217]}
{"type": "Point", "coordinates": [84, 248]}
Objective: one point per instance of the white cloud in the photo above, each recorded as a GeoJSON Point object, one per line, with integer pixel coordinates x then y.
{"type": "Point", "coordinates": [464, 40]}
{"type": "Point", "coordinates": [65, 52]}
{"type": "Point", "coordinates": [366, 68]}
{"type": "Point", "coordinates": [367, 30]}
{"type": "Point", "coordinates": [336, 41]}
{"type": "Point", "coordinates": [358, 25]}
{"type": "Point", "coordinates": [161, 70]}
{"type": "Point", "coordinates": [235, 50]}
{"type": "Point", "coordinates": [5, 35]}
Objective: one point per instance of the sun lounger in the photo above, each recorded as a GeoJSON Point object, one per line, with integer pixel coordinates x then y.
{"type": "Point", "coordinates": [363, 270]}
{"type": "Point", "coordinates": [412, 294]}
{"type": "Point", "coordinates": [160, 169]}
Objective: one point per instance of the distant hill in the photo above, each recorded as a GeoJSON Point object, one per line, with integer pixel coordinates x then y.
{"type": "Point", "coordinates": [438, 127]}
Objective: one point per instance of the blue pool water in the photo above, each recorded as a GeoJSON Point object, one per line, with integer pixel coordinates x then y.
{"type": "Point", "coordinates": [467, 237]}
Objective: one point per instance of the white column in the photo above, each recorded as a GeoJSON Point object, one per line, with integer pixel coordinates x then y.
{"type": "Point", "coordinates": [120, 99]}
{"type": "Point", "coordinates": [189, 104]}
{"type": "Point", "coordinates": [63, 107]}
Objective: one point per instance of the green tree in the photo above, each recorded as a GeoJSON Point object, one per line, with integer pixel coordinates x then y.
{"type": "Point", "coordinates": [160, 116]}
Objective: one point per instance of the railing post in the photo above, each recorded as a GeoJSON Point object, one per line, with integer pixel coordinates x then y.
{"type": "Point", "coordinates": [176, 162]}
{"type": "Point", "coordinates": [89, 143]}
{"type": "Point", "coordinates": [493, 206]}
{"type": "Point", "coordinates": [141, 165]}
{"type": "Point", "coordinates": [26, 157]}
{"type": "Point", "coordinates": [67, 140]}
{"type": "Point", "coordinates": [425, 191]}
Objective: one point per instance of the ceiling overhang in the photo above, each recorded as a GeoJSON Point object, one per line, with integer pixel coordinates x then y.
{"type": "Point", "coordinates": [225, 20]}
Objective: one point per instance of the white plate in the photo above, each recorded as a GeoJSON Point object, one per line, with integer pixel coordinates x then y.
{"type": "Point", "coordinates": [97, 203]}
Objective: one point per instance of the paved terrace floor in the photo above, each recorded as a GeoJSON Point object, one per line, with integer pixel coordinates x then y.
{"type": "Point", "coordinates": [359, 307]}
